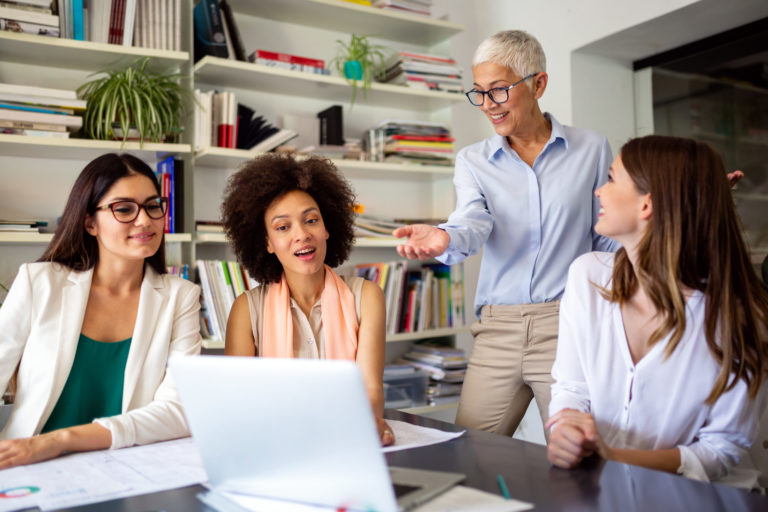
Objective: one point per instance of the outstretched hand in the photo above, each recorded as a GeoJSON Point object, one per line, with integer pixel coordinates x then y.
{"type": "Point", "coordinates": [734, 177]}
{"type": "Point", "coordinates": [424, 241]}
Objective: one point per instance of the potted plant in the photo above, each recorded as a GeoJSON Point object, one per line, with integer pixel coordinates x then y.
{"type": "Point", "coordinates": [359, 61]}
{"type": "Point", "coordinates": [133, 102]}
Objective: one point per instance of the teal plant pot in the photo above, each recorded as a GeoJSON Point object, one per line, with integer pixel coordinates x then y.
{"type": "Point", "coordinates": [353, 70]}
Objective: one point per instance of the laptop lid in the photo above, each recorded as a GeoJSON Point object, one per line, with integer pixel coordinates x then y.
{"type": "Point", "coordinates": [292, 429]}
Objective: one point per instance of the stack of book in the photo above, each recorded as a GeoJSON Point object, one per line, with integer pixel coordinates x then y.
{"type": "Point", "coordinates": [423, 7]}
{"type": "Point", "coordinates": [446, 367]}
{"type": "Point", "coordinates": [418, 300]}
{"type": "Point", "coordinates": [222, 122]}
{"type": "Point", "coordinates": [410, 142]}
{"type": "Point", "coordinates": [216, 32]}
{"type": "Point", "coordinates": [209, 226]}
{"type": "Point", "coordinates": [423, 71]}
{"type": "Point", "coordinates": [21, 226]}
{"type": "Point", "coordinates": [181, 271]}
{"type": "Point", "coordinates": [221, 282]}
{"type": "Point", "coordinates": [39, 111]}
{"type": "Point", "coordinates": [30, 17]}
{"type": "Point", "coordinates": [288, 61]}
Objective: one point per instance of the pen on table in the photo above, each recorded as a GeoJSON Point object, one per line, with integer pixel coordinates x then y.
{"type": "Point", "coordinates": [503, 487]}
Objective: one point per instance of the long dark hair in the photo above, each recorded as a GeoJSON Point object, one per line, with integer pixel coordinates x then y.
{"type": "Point", "coordinates": [72, 245]}
{"type": "Point", "coordinates": [694, 240]}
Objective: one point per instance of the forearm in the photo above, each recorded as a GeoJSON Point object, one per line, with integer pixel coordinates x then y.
{"type": "Point", "coordinates": [81, 438]}
{"type": "Point", "coordinates": [662, 460]}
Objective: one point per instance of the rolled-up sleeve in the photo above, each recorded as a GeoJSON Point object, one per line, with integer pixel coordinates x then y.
{"type": "Point", "coordinates": [723, 442]}
{"type": "Point", "coordinates": [470, 223]}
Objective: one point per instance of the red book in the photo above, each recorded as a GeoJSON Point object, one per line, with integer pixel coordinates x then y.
{"type": "Point", "coordinates": [293, 59]}
{"type": "Point", "coordinates": [166, 189]}
{"type": "Point", "coordinates": [422, 137]}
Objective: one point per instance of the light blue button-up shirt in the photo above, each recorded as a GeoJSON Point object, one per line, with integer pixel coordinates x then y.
{"type": "Point", "coordinates": [533, 221]}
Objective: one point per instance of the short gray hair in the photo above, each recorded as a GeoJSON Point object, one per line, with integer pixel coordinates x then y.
{"type": "Point", "coordinates": [514, 49]}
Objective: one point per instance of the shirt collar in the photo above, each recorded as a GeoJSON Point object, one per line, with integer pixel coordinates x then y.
{"type": "Point", "coordinates": [499, 143]}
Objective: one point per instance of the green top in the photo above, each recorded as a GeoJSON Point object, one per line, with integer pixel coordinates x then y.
{"type": "Point", "coordinates": [94, 387]}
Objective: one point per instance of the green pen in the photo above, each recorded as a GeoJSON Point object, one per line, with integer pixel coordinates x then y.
{"type": "Point", "coordinates": [503, 487]}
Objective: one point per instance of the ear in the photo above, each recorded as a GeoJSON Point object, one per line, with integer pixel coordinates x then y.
{"type": "Point", "coordinates": [90, 225]}
{"type": "Point", "coordinates": [540, 82]}
{"type": "Point", "coordinates": [270, 249]}
{"type": "Point", "coordinates": [646, 207]}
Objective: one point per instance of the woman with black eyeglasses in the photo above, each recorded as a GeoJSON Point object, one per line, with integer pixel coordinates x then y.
{"type": "Point", "coordinates": [525, 196]}
{"type": "Point", "coordinates": [90, 326]}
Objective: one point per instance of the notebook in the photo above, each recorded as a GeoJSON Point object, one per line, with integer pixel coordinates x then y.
{"type": "Point", "coordinates": [294, 429]}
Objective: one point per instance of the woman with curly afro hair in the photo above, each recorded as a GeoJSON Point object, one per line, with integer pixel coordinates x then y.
{"type": "Point", "coordinates": [289, 222]}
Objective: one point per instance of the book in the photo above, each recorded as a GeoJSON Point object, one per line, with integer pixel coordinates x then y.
{"type": "Point", "coordinates": [27, 16]}
{"type": "Point", "coordinates": [209, 30]}
{"type": "Point", "coordinates": [24, 125]}
{"type": "Point", "coordinates": [9, 25]}
{"type": "Point", "coordinates": [32, 90]}
{"type": "Point", "coordinates": [273, 141]}
{"type": "Point", "coordinates": [331, 126]}
{"type": "Point", "coordinates": [34, 108]}
{"type": "Point", "coordinates": [35, 133]}
{"type": "Point", "coordinates": [234, 33]}
{"type": "Point", "coordinates": [286, 58]}
{"type": "Point", "coordinates": [37, 117]}
{"type": "Point", "coordinates": [129, 19]}
{"type": "Point", "coordinates": [78, 29]}
{"type": "Point", "coordinates": [43, 100]}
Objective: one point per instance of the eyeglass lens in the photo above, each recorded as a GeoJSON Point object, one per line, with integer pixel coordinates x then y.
{"type": "Point", "coordinates": [497, 95]}
{"type": "Point", "coordinates": [126, 211]}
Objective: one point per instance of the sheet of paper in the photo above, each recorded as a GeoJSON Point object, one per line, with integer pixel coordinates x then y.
{"type": "Point", "coordinates": [90, 477]}
{"type": "Point", "coordinates": [468, 499]}
{"type": "Point", "coordinates": [413, 436]}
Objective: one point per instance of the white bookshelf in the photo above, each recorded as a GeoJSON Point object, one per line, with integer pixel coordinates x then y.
{"type": "Point", "coordinates": [80, 149]}
{"type": "Point", "coordinates": [44, 238]}
{"type": "Point", "coordinates": [227, 158]}
{"type": "Point", "coordinates": [391, 338]}
{"type": "Point", "coordinates": [343, 16]}
{"type": "Point", "coordinates": [246, 75]}
{"type": "Point", "coordinates": [84, 55]}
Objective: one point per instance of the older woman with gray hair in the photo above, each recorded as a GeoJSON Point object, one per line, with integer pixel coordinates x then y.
{"type": "Point", "coordinates": [525, 195]}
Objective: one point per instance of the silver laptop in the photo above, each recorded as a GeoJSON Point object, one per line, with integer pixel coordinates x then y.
{"type": "Point", "coordinates": [297, 430]}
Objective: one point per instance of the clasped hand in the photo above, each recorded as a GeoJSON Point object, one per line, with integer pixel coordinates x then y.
{"type": "Point", "coordinates": [574, 438]}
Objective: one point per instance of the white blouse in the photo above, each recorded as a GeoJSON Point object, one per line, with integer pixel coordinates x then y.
{"type": "Point", "coordinates": [657, 403]}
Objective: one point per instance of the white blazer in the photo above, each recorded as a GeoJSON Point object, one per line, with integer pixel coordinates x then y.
{"type": "Point", "coordinates": [40, 323]}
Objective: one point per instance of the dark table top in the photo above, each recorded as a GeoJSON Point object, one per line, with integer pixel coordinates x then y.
{"type": "Point", "coordinates": [596, 486]}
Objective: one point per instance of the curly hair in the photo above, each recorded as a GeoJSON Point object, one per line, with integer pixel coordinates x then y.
{"type": "Point", "coordinates": [261, 181]}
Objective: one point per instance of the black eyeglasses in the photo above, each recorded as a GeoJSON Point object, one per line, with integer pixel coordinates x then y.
{"type": "Point", "coordinates": [497, 94]}
{"type": "Point", "coordinates": [127, 211]}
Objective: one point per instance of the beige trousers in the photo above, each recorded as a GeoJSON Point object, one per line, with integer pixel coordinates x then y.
{"type": "Point", "coordinates": [511, 362]}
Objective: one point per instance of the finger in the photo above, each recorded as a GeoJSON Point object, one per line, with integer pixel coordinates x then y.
{"type": "Point", "coordinates": [402, 231]}
{"type": "Point", "coordinates": [401, 250]}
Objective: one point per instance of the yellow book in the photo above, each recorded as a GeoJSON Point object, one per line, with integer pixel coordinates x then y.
{"type": "Point", "coordinates": [361, 2]}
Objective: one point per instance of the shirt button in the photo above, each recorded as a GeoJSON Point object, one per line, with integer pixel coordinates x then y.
{"type": "Point", "coordinates": [631, 370]}
{"type": "Point", "coordinates": [310, 341]}
{"type": "Point", "coordinates": [626, 407]}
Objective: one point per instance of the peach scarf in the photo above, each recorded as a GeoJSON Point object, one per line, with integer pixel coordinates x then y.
{"type": "Point", "coordinates": [337, 303]}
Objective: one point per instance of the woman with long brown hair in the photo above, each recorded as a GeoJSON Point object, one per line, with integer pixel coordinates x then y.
{"type": "Point", "coordinates": [662, 353]}
{"type": "Point", "coordinates": [92, 323]}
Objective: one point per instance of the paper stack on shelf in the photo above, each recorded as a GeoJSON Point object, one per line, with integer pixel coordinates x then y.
{"type": "Point", "coordinates": [445, 365]}
{"type": "Point", "coordinates": [423, 7]}
{"type": "Point", "coordinates": [21, 225]}
{"type": "Point", "coordinates": [39, 111]}
{"type": "Point", "coordinates": [29, 17]}
{"type": "Point", "coordinates": [412, 142]}
{"type": "Point", "coordinates": [423, 71]}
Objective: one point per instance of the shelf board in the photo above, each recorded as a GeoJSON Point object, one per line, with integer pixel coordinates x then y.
{"type": "Point", "coordinates": [757, 255]}
{"type": "Point", "coordinates": [43, 238]}
{"type": "Point", "coordinates": [227, 158]}
{"type": "Point", "coordinates": [85, 55]}
{"type": "Point", "coordinates": [341, 16]}
{"type": "Point", "coordinates": [750, 196]}
{"type": "Point", "coordinates": [431, 333]}
{"type": "Point", "coordinates": [247, 75]}
{"type": "Point", "coordinates": [426, 409]}
{"type": "Point", "coordinates": [364, 242]}
{"type": "Point", "coordinates": [79, 149]}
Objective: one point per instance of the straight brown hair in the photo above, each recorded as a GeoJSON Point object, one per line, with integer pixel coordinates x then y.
{"type": "Point", "coordinates": [694, 240]}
